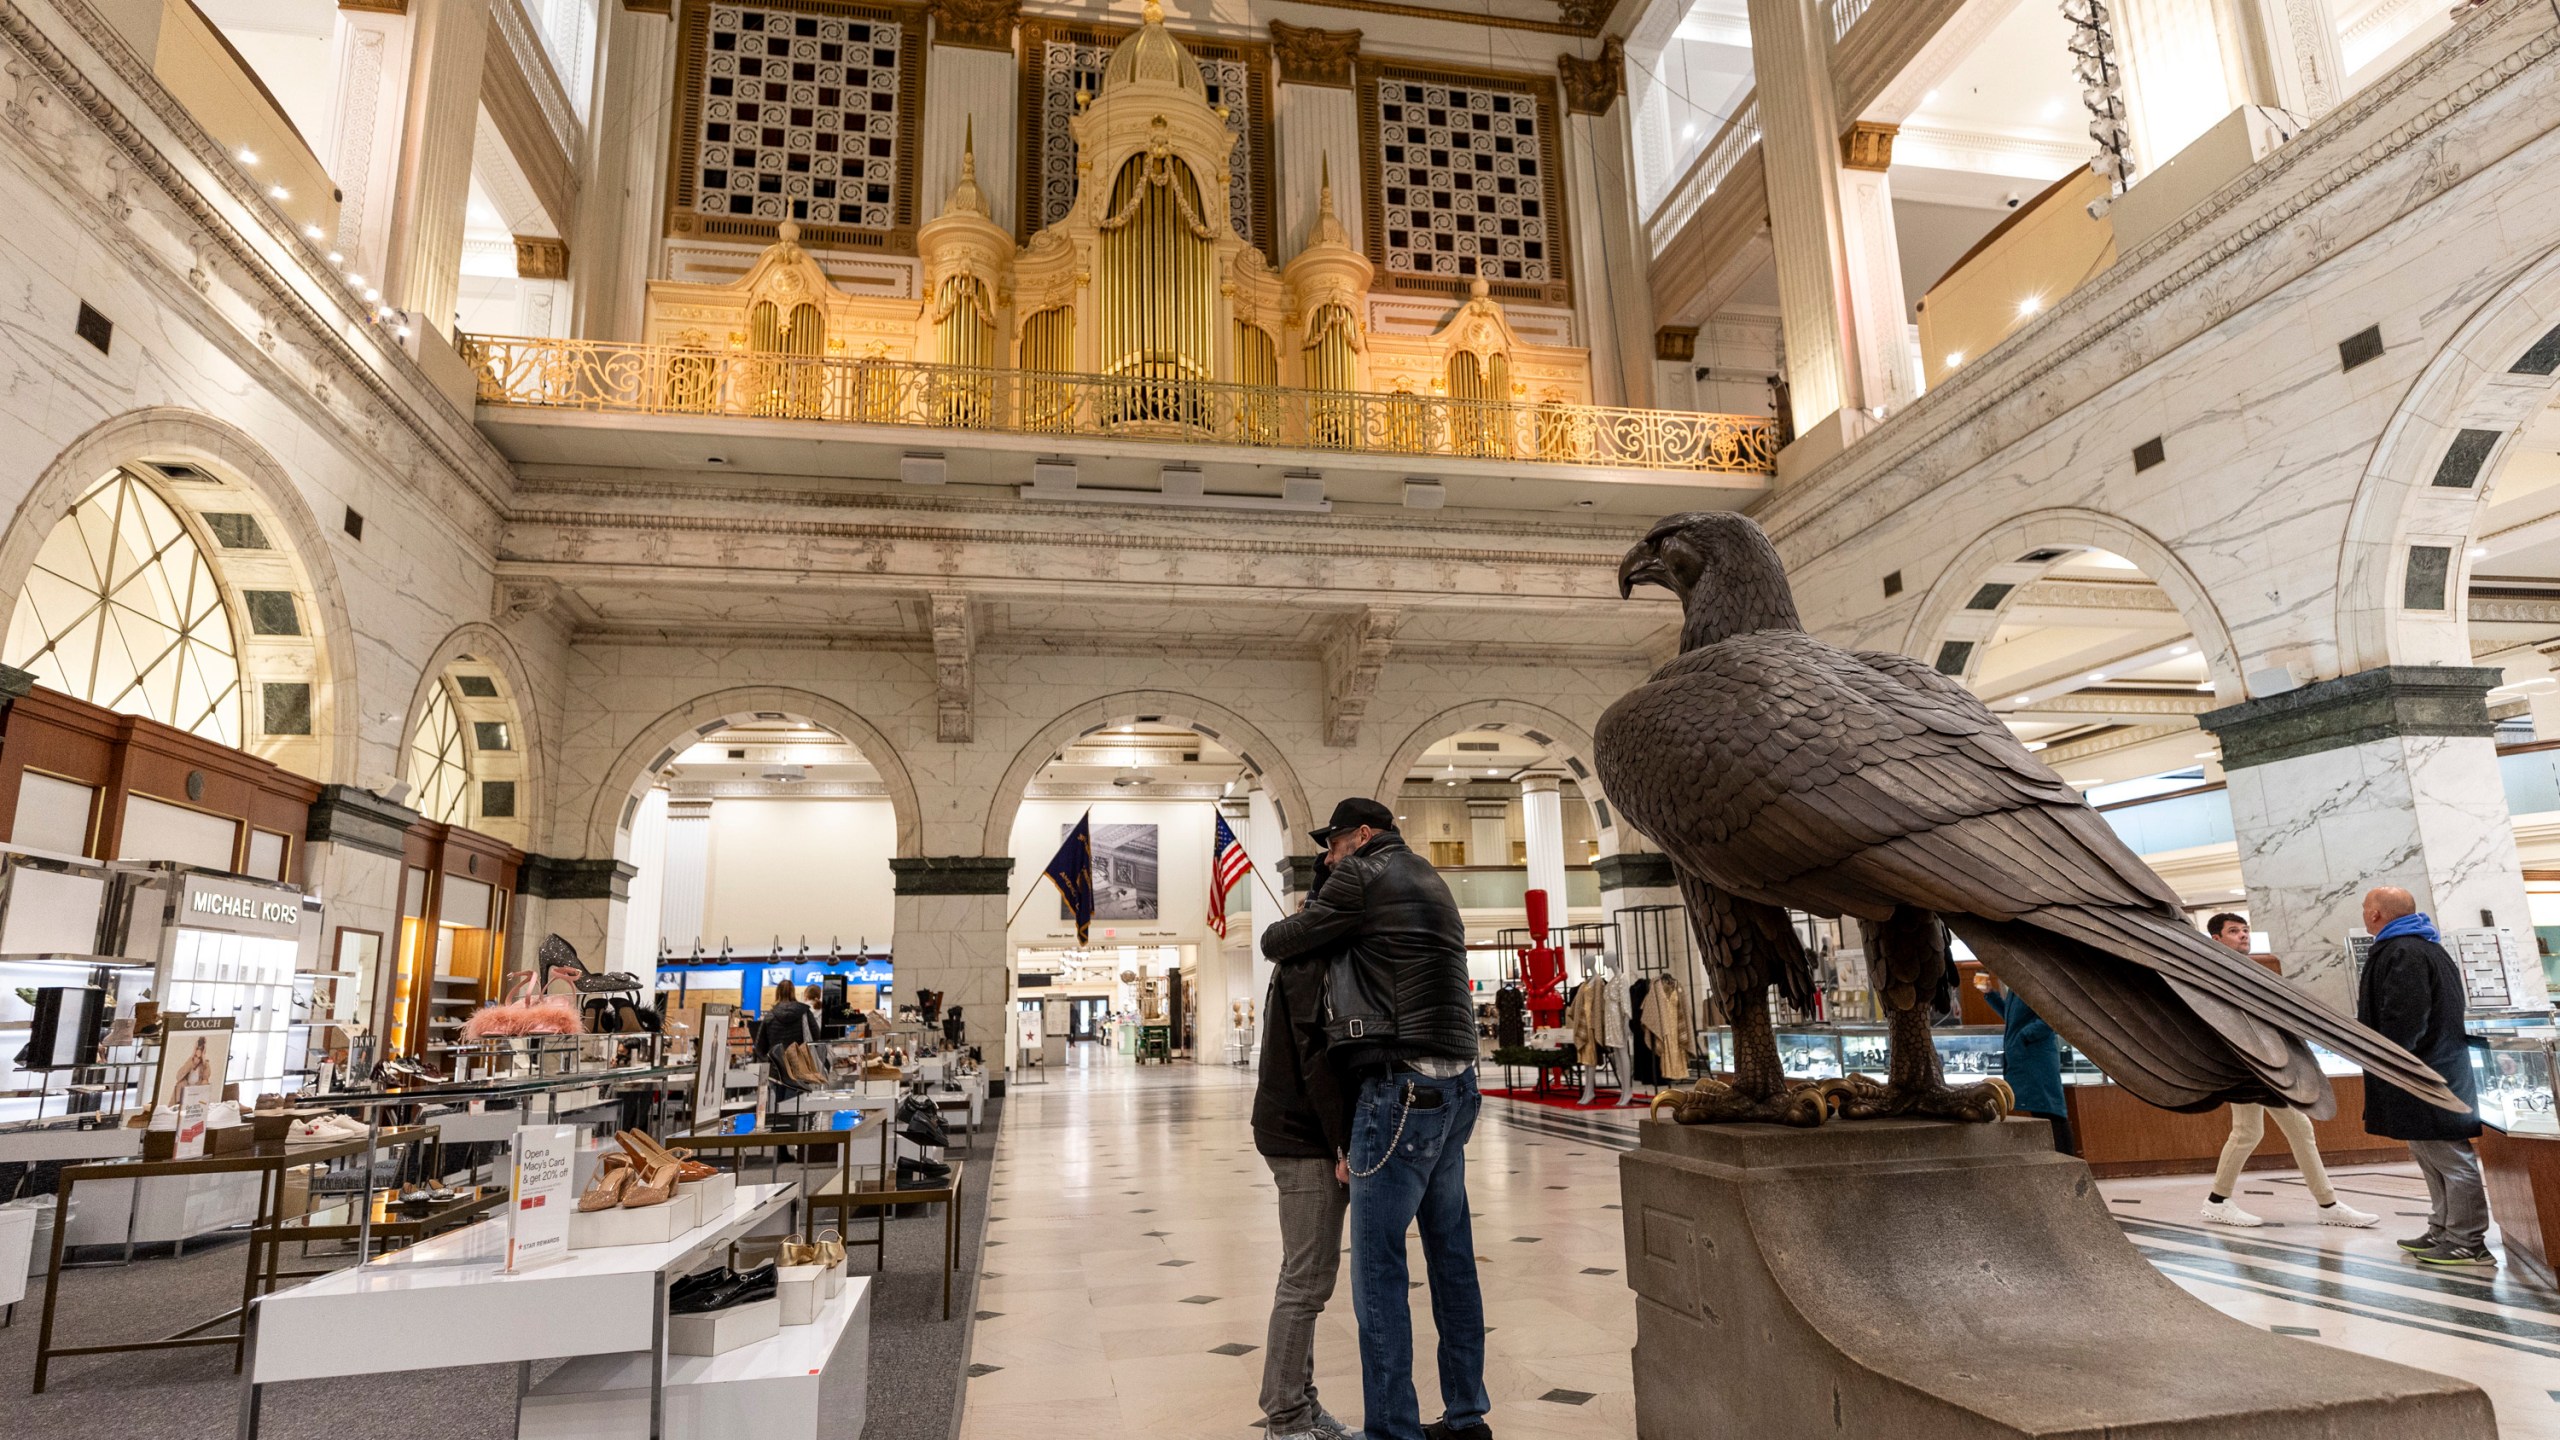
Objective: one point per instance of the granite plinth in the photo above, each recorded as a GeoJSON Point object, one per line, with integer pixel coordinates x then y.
{"type": "Point", "coordinates": [1934, 1281]}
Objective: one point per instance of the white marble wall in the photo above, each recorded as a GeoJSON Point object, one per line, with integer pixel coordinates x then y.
{"type": "Point", "coordinates": [2315, 832]}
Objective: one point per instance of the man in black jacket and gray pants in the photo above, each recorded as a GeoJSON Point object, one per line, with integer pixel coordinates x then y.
{"type": "Point", "coordinates": [1302, 1126]}
{"type": "Point", "coordinates": [1386, 936]}
{"type": "Point", "coordinates": [2411, 992]}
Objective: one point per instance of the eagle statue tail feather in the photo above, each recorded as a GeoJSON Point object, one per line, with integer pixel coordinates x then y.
{"type": "Point", "coordinates": [2175, 1022]}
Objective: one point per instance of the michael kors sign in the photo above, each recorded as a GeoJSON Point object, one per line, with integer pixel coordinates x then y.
{"type": "Point", "coordinates": [210, 904]}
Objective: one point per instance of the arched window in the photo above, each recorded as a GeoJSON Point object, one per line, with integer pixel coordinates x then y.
{"type": "Point", "coordinates": [439, 762]}
{"type": "Point", "coordinates": [122, 610]}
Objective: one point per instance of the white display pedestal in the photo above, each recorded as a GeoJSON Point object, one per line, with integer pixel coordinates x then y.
{"type": "Point", "coordinates": [810, 1382]}
{"type": "Point", "coordinates": [448, 1301]}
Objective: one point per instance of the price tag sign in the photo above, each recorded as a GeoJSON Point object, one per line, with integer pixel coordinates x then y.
{"type": "Point", "coordinates": [539, 1203]}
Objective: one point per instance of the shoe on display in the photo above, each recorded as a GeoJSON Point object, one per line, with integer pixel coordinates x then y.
{"type": "Point", "coordinates": [2228, 1213]}
{"type": "Point", "coordinates": [743, 1288]}
{"type": "Point", "coordinates": [2342, 1214]}
{"type": "Point", "coordinates": [2450, 1255]}
{"type": "Point", "coordinates": [2415, 1243]}
{"type": "Point", "coordinates": [1443, 1430]}
{"type": "Point", "coordinates": [699, 1282]}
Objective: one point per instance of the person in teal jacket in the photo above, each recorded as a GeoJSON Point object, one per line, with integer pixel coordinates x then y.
{"type": "Point", "coordinates": [2030, 1059]}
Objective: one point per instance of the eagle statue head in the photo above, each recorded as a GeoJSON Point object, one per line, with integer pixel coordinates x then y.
{"type": "Point", "coordinates": [1722, 566]}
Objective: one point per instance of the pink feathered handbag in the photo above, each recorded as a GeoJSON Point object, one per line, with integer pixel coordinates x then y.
{"type": "Point", "coordinates": [525, 1013]}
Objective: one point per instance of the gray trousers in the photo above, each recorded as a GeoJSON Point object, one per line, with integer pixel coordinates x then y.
{"type": "Point", "coordinates": [1311, 1211]}
{"type": "Point", "coordinates": [2457, 1203]}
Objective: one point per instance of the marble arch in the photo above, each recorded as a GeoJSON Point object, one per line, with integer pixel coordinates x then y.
{"type": "Point", "coordinates": [1538, 723]}
{"type": "Point", "coordinates": [249, 479]}
{"type": "Point", "coordinates": [481, 643]}
{"type": "Point", "coordinates": [2471, 384]}
{"type": "Point", "coordinates": [658, 743]}
{"type": "Point", "coordinates": [1261, 754]}
{"type": "Point", "coordinates": [1938, 618]}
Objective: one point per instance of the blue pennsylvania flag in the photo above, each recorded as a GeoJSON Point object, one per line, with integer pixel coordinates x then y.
{"type": "Point", "coordinates": [1071, 870]}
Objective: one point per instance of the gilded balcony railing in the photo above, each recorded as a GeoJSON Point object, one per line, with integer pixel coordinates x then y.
{"type": "Point", "coordinates": [664, 380]}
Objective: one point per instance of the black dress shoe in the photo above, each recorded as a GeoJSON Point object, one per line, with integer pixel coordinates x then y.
{"type": "Point", "coordinates": [1440, 1430]}
{"type": "Point", "coordinates": [743, 1288]}
{"type": "Point", "coordinates": [925, 1170]}
{"type": "Point", "coordinates": [699, 1282]}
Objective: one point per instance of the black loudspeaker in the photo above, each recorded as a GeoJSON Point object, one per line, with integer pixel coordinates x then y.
{"type": "Point", "coordinates": [69, 1020]}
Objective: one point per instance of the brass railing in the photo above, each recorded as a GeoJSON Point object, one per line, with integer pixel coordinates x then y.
{"type": "Point", "coordinates": [663, 380]}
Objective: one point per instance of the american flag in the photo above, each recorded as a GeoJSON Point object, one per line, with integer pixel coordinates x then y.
{"type": "Point", "coordinates": [1227, 865]}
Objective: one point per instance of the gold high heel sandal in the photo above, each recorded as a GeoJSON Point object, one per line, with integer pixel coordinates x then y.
{"type": "Point", "coordinates": [830, 1248]}
{"type": "Point", "coordinates": [605, 1191]}
{"type": "Point", "coordinates": [658, 1189]}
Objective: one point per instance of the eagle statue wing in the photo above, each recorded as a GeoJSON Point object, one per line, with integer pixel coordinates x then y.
{"type": "Point", "coordinates": [1790, 772]}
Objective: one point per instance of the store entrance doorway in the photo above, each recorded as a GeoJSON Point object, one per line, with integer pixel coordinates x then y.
{"type": "Point", "coordinates": [1084, 1017]}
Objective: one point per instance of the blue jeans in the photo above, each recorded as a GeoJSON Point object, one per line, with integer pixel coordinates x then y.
{"type": "Point", "coordinates": [1423, 1178]}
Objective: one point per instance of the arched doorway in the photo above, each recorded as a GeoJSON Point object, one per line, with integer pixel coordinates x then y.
{"type": "Point", "coordinates": [1157, 781]}
{"type": "Point", "coordinates": [761, 825]}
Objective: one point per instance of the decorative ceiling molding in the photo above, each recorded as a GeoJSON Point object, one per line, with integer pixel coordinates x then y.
{"type": "Point", "coordinates": [1353, 655]}
{"type": "Point", "coordinates": [1592, 86]}
{"type": "Point", "coordinates": [1309, 56]}
{"type": "Point", "coordinates": [680, 791]}
{"type": "Point", "coordinates": [955, 673]}
{"type": "Point", "coordinates": [975, 24]}
{"type": "Point", "coordinates": [1985, 151]}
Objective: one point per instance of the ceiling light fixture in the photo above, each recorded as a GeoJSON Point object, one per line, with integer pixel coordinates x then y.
{"type": "Point", "coordinates": [2030, 305]}
{"type": "Point", "coordinates": [248, 156]}
{"type": "Point", "coordinates": [311, 232]}
{"type": "Point", "coordinates": [2181, 649]}
{"type": "Point", "coordinates": [2035, 745]}
{"type": "Point", "coordinates": [2097, 675]}
{"type": "Point", "coordinates": [337, 259]}
{"type": "Point", "coordinates": [2479, 551]}
{"type": "Point", "coordinates": [278, 192]}
{"type": "Point", "coordinates": [1955, 359]}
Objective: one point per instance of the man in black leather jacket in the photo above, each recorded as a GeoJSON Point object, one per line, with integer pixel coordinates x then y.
{"type": "Point", "coordinates": [1400, 1016]}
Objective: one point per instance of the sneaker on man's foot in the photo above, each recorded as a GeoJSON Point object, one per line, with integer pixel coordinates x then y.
{"type": "Point", "coordinates": [1323, 1427]}
{"type": "Point", "coordinates": [2228, 1213]}
{"type": "Point", "coordinates": [2339, 1212]}
{"type": "Point", "coordinates": [2452, 1254]}
{"type": "Point", "coordinates": [1443, 1430]}
{"type": "Point", "coordinates": [2415, 1243]}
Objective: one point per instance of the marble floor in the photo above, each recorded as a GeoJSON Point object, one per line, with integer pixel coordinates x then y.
{"type": "Point", "coordinates": [1132, 1244]}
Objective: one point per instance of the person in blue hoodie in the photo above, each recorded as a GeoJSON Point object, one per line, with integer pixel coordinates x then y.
{"type": "Point", "coordinates": [2411, 992]}
{"type": "Point", "coordinates": [2030, 1059]}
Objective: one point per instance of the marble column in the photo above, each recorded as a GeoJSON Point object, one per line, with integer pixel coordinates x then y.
{"type": "Point", "coordinates": [1489, 831]}
{"type": "Point", "coordinates": [1883, 357]}
{"type": "Point", "coordinates": [1268, 846]}
{"type": "Point", "coordinates": [1609, 263]}
{"type": "Point", "coordinates": [2289, 49]}
{"type": "Point", "coordinates": [1542, 819]}
{"type": "Point", "coordinates": [351, 859]}
{"type": "Point", "coordinates": [2180, 76]}
{"type": "Point", "coordinates": [367, 116]}
{"type": "Point", "coordinates": [2384, 777]}
{"type": "Point", "coordinates": [1800, 148]}
{"type": "Point", "coordinates": [949, 935]}
{"type": "Point", "coordinates": [642, 937]}
{"type": "Point", "coordinates": [622, 194]}
{"type": "Point", "coordinates": [1632, 879]}
{"type": "Point", "coordinates": [681, 900]}
{"type": "Point", "coordinates": [585, 902]}
{"type": "Point", "coordinates": [422, 273]}
{"type": "Point", "coordinates": [974, 92]}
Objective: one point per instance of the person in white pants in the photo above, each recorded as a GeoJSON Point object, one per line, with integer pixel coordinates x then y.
{"type": "Point", "coordinates": [2249, 1126]}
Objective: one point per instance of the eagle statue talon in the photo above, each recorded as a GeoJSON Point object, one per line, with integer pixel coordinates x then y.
{"type": "Point", "coordinates": [1713, 1102]}
{"type": "Point", "coordinates": [1981, 1104]}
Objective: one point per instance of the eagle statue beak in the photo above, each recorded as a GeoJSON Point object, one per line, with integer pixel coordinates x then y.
{"type": "Point", "coordinates": [1643, 566]}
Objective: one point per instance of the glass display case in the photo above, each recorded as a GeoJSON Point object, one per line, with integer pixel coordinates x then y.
{"type": "Point", "coordinates": [2518, 1089]}
{"type": "Point", "coordinates": [1967, 1053]}
{"type": "Point", "coordinates": [1810, 1054]}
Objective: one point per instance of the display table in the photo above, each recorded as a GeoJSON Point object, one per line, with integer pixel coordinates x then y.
{"type": "Point", "coordinates": [449, 1301]}
{"type": "Point", "coordinates": [810, 1382]}
{"type": "Point", "coordinates": [266, 1162]}
{"type": "Point", "coordinates": [881, 1196]}
{"type": "Point", "coordinates": [2121, 1136]}
{"type": "Point", "coordinates": [2522, 1173]}
{"type": "Point", "coordinates": [390, 1221]}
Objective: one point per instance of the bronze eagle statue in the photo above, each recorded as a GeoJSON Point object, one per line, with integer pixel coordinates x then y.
{"type": "Point", "coordinates": [1777, 771]}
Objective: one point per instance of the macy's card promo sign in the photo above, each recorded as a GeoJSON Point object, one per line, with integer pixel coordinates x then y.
{"type": "Point", "coordinates": [539, 1207]}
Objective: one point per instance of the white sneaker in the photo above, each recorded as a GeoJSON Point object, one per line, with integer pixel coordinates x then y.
{"type": "Point", "coordinates": [2229, 1213]}
{"type": "Point", "coordinates": [2343, 1214]}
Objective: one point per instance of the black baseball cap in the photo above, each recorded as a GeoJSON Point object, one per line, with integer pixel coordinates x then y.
{"type": "Point", "coordinates": [1353, 813]}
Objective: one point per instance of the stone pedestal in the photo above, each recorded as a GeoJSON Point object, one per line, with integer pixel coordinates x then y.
{"type": "Point", "coordinates": [1931, 1281]}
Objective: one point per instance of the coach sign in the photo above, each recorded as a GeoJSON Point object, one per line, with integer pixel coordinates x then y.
{"type": "Point", "coordinates": [241, 907]}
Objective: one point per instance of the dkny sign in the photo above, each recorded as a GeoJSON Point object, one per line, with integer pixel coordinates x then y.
{"type": "Point", "coordinates": [206, 903]}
